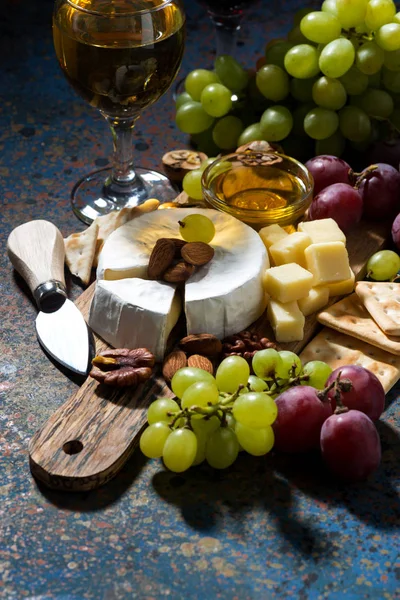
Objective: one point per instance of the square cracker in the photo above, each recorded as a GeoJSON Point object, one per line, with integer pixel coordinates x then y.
{"type": "Point", "coordinates": [338, 349]}
{"type": "Point", "coordinates": [382, 301]}
{"type": "Point", "coordinates": [79, 252]}
{"type": "Point", "coordinates": [349, 316]}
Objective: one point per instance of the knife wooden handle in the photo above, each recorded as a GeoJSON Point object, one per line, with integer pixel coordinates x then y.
{"type": "Point", "coordinates": [36, 250]}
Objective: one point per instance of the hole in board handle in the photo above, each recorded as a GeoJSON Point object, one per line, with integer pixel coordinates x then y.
{"type": "Point", "coordinates": [73, 447]}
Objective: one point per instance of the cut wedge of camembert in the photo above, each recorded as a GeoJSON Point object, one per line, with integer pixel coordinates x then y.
{"type": "Point", "coordinates": [222, 297]}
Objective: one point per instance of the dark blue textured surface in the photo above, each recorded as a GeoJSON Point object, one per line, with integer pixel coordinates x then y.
{"type": "Point", "coordinates": [265, 528]}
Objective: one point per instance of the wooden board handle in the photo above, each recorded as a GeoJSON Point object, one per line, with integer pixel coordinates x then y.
{"type": "Point", "coordinates": [36, 250]}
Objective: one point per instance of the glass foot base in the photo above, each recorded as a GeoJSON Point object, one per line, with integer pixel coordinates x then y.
{"type": "Point", "coordinates": [91, 196]}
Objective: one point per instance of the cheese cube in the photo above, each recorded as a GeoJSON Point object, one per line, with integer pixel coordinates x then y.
{"type": "Point", "coordinates": [286, 320]}
{"type": "Point", "coordinates": [271, 234]}
{"type": "Point", "coordinates": [328, 262]}
{"type": "Point", "coordinates": [288, 282]}
{"type": "Point", "coordinates": [316, 298]}
{"type": "Point", "coordinates": [290, 249]}
{"type": "Point", "coordinates": [322, 230]}
{"type": "Point", "coordinates": [340, 288]}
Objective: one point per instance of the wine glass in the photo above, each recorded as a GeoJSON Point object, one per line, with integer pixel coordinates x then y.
{"type": "Point", "coordinates": [120, 56]}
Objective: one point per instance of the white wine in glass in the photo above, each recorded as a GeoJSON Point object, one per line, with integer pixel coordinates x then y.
{"type": "Point", "coordinates": [120, 56]}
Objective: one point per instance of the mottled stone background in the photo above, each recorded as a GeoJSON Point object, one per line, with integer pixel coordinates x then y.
{"type": "Point", "coordinates": [265, 528]}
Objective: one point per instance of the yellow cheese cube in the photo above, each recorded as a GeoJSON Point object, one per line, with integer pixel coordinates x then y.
{"type": "Point", "coordinates": [322, 230]}
{"type": "Point", "coordinates": [340, 288]}
{"type": "Point", "coordinates": [290, 249]}
{"type": "Point", "coordinates": [286, 320]}
{"type": "Point", "coordinates": [288, 282]}
{"type": "Point", "coordinates": [271, 234]}
{"type": "Point", "coordinates": [328, 262]}
{"type": "Point", "coordinates": [316, 298]}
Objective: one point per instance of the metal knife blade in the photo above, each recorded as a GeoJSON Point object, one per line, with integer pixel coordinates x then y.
{"type": "Point", "coordinates": [36, 249]}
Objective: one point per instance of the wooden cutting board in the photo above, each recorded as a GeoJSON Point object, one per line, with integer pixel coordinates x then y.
{"type": "Point", "coordinates": [88, 439]}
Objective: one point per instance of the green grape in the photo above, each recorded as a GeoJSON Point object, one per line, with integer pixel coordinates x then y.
{"type": "Point", "coordinates": [256, 384]}
{"type": "Point", "coordinates": [222, 448]}
{"type": "Point", "coordinates": [295, 36]}
{"type": "Point", "coordinates": [227, 132]}
{"type": "Point", "coordinates": [379, 12]}
{"type": "Point", "coordinates": [231, 73]}
{"type": "Point", "coordinates": [255, 409]}
{"type": "Point", "coordinates": [204, 142]}
{"type": "Point", "coordinates": [354, 124]}
{"type": "Point", "coordinates": [273, 82]}
{"type": "Point", "coordinates": [205, 425]}
{"type": "Point", "coordinates": [369, 58]}
{"type": "Point", "coordinates": [396, 18]}
{"type": "Point", "coordinates": [391, 80]}
{"type": "Point", "coordinates": [206, 163]}
{"type": "Point", "coordinates": [329, 6]}
{"type": "Point", "coordinates": [301, 61]}
{"type": "Point", "coordinates": [392, 60]}
{"type": "Point", "coordinates": [216, 100]}
{"type": "Point", "coordinates": [197, 228]}
{"type": "Point", "coordinates": [192, 118]}
{"type": "Point", "coordinates": [201, 393]}
{"type": "Point", "coordinates": [329, 93]}
{"type": "Point", "coordinates": [300, 14]}
{"type": "Point", "coordinates": [202, 439]}
{"type": "Point", "coordinates": [301, 89]}
{"type": "Point", "coordinates": [276, 123]}
{"type": "Point", "coordinates": [180, 450]}
{"type": "Point", "coordinates": [351, 12]}
{"type": "Point", "coordinates": [383, 265]}
{"type": "Point", "coordinates": [197, 80]}
{"type": "Point", "coordinates": [231, 373]}
{"type": "Point", "coordinates": [188, 376]}
{"type": "Point", "coordinates": [318, 373]}
{"type": "Point", "coordinates": [374, 81]}
{"type": "Point", "coordinates": [395, 118]}
{"type": "Point", "coordinates": [266, 362]}
{"type": "Point", "coordinates": [289, 361]}
{"type": "Point", "coordinates": [388, 37]}
{"type": "Point", "coordinates": [153, 439]}
{"type": "Point", "coordinates": [333, 145]}
{"type": "Point", "coordinates": [256, 442]}
{"type": "Point", "coordinates": [182, 99]}
{"type": "Point", "coordinates": [376, 103]}
{"type": "Point", "coordinates": [337, 57]}
{"type": "Point", "coordinates": [252, 133]}
{"type": "Point", "coordinates": [321, 123]}
{"type": "Point", "coordinates": [275, 54]}
{"type": "Point", "coordinates": [191, 184]}
{"type": "Point", "coordinates": [320, 27]}
{"type": "Point", "coordinates": [299, 115]}
{"type": "Point", "coordinates": [159, 409]}
{"type": "Point", "coordinates": [354, 82]}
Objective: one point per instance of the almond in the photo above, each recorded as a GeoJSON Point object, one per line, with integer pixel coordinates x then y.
{"type": "Point", "coordinates": [178, 245]}
{"type": "Point", "coordinates": [205, 344]}
{"type": "Point", "coordinates": [179, 272]}
{"type": "Point", "coordinates": [161, 257]}
{"type": "Point", "coordinates": [201, 362]}
{"type": "Point", "coordinates": [197, 253]}
{"type": "Point", "coordinates": [172, 363]}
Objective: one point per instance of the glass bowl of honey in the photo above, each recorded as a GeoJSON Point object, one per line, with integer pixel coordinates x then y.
{"type": "Point", "coordinates": [259, 188]}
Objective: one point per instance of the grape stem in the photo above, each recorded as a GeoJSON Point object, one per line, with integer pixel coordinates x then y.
{"type": "Point", "coordinates": [357, 178]}
{"type": "Point", "coordinates": [339, 386]}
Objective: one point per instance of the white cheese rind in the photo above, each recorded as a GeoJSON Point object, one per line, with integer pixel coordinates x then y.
{"type": "Point", "coordinates": [135, 313]}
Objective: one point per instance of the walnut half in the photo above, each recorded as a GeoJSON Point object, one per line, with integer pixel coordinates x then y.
{"type": "Point", "coordinates": [123, 367]}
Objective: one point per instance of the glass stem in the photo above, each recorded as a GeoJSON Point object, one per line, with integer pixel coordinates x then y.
{"type": "Point", "coordinates": [226, 30]}
{"type": "Point", "coordinates": [122, 133]}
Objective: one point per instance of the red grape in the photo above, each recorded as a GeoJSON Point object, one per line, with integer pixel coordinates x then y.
{"type": "Point", "coordinates": [350, 445]}
{"type": "Point", "coordinates": [366, 395]}
{"type": "Point", "coordinates": [300, 417]}
{"type": "Point", "coordinates": [339, 201]}
{"type": "Point", "coordinates": [396, 231]}
{"type": "Point", "coordinates": [327, 170]}
{"type": "Point", "coordinates": [380, 192]}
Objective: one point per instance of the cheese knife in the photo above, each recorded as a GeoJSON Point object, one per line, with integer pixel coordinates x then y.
{"type": "Point", "coordinates": [36, 250]}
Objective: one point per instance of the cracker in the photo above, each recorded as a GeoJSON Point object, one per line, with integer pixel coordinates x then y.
{"type": "Point", "coordinates": [79, 252]}
{"type": "Point", "coordinates": [349, 316]}
{"type": "Point", "coordinates": [109, 223]}
{"type": "Point", "coordinates": [338, 349]}
{"type": "Point", "coordinates": [382, 301]}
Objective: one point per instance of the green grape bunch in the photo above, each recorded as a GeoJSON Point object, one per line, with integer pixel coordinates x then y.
{"type": "Point", "coordinates": [212, 418]}
{"type": "Point", "coordinates": [334, 81]}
